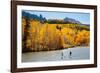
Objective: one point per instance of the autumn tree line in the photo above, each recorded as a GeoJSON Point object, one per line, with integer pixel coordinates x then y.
{"type": "Point", "coordinates": [44, 36]}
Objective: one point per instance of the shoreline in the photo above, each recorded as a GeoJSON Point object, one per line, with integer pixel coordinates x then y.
{"type": "Point", "coordinates": [58, 49]}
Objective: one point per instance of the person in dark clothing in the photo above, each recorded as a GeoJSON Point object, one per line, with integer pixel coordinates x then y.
{"type": "Point", "coordinates": [70, 54]}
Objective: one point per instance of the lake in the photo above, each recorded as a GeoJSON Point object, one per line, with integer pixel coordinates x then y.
{"type": "Point", "coordinates": [77, 53]}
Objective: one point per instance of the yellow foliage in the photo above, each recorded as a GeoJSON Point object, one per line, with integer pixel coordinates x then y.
{"type": "Point", "coordinates": [83, 37]}
{"type": "Point", "coordinates": [68, 35]}
{"type": "Point", "coordinates": [47, 36]}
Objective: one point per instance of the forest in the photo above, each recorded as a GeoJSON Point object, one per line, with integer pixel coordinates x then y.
{"type": "Point", "coordinates": [40, 34]}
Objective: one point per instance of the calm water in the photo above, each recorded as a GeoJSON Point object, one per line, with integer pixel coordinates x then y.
{"type": "Point", "coordinates": [77, 53]}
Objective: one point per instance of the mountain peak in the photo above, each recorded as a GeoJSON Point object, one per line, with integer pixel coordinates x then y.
{"type": "Point", "coordinates": [70, 20]}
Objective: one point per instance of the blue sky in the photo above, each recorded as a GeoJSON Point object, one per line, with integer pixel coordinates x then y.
{"type": "Point", "coordinates": [84, 18]}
